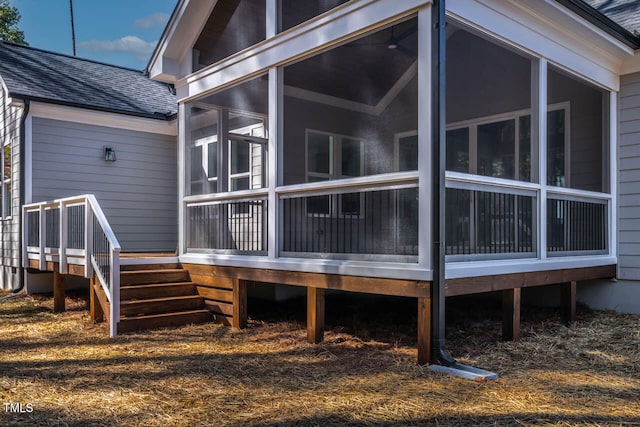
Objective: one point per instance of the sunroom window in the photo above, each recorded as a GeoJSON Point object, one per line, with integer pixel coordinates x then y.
{"type": "Point", "coordinates": [238, 117]}
{"type": "Point", "coordinates": [334, 157]}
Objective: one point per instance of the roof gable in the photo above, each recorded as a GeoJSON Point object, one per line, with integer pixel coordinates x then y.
{"type": "Point", "coordinates": [60, 79]}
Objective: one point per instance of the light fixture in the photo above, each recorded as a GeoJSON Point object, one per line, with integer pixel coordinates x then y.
{"type": "Point", "coordinates": [109, 154]}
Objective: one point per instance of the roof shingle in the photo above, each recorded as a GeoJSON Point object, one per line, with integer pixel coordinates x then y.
{"type": "Point", "coordinates": [41, 75]}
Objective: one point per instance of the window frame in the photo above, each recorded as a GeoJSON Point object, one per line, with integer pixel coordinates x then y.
{"type": "Point", "coordinates": [473, 124]}
{"type": "Point", "coordinates": [6, 184]}
{"type": "Point", "coordinates": [335, 172]}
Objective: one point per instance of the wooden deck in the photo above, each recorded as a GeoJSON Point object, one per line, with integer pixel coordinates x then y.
{"type": "Point", "coordinates": [509, 284]}
{"type": "Point", "coordinates": [223, 292]}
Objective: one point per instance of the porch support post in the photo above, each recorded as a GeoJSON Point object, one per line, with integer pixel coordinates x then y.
{"type": "Point", "coordinates": [511, 314]}
{"type": "Point", "coordinates": [59, 281]}
{"type": "Point", "coordinates": [239, 320]}
{"type": "Point", "coordinates": [568, 301]}
{"type": "Point", "coordinates": [315, 315]}
{"type": "Point", "coordinates": [424, 331]}
{"type": "Point", "coordinates": [95, 309]}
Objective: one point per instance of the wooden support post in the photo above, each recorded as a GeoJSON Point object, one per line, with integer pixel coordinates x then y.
{"type": "Point", "coordinates": [511, 314]}
{"type": "Point", "coordinates": [315, 315]}
{"type": "Point", "coordinates": [239, 320]}
{"type": "Point", "coordinates": [95, 309]}
{"type": "Point", "coordinates": [424, 331]}
{"type": "Point", "coordinates": [58, 291]}
{"type": "Point", "coordinates": [568, 301]}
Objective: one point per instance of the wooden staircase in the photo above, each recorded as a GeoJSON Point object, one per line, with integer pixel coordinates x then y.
{"type": "Point", "coordinates": [158, 295]}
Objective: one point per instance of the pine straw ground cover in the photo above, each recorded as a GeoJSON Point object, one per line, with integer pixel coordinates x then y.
{"type": "Point", "coordinates": [364, 373]}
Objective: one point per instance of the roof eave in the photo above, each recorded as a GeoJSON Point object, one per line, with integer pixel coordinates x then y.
{"type": "Point", "coordinates": [602, 21]}
{"type": "Point", "coordinates": [156, 116]}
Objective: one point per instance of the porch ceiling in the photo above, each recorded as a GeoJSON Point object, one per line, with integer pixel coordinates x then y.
{"type": "Point", "coordinates": [346, 72]}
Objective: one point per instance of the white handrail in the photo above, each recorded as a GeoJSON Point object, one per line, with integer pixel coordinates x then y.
{"type": "Point", "coordinates": [109, 280]}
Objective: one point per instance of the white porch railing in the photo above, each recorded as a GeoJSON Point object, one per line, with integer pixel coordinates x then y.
{"type": "Point", "coordinates": [75, 231]}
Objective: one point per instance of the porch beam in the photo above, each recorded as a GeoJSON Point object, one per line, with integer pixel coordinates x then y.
{"type": "Point", "coordinates": [568, 301]}
{"type": "Point", "coordinates": [59, 281]}
{"type": "Point", "coordinates": [511, 314]}
{"type": "Point", "coordinates": [424, 331]}
{"type": "Point", "coordinates": [315, 315]}
{"type": "Point", "coordinates": [239, 319]}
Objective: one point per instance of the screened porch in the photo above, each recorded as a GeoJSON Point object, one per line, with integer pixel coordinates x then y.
{"type": "Point", "coordinates": [327, 158]}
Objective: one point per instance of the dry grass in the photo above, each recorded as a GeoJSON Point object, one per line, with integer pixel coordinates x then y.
{"type": "Point", "coordinates": [364, 374]}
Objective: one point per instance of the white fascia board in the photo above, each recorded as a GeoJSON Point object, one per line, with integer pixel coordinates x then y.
{"type": "Point", "coordinates": [181, 33]}
{"type": "Point", "coordinates": [458, 270]}
{"type": "Point", "coordinates": [345, 22]}
{"type": "Point", "coordinates": [98, 118]}
{"type": "Point", "coordinates": [546, 29]}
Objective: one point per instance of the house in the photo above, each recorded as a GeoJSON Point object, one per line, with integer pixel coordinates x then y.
{"type": "Point", "coordinates": [420, 148]}
{"type": "Point", "coordinates": [72, 127]}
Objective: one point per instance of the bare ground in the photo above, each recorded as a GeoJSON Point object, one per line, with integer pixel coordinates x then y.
{"type": "Point", "coordinates": [69, 372]}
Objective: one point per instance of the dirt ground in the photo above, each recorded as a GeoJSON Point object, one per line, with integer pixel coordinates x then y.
{"type": "Point", "coordinates": [60, 369]}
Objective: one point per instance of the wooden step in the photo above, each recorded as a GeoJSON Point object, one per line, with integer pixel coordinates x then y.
{"type": "Point", "coordinates": [157, 290]}
{"type": "Point", "coordinates": [154, 321]}
{"type": "Point", "coordinates": [161, 305]}
{"type": "Point", "coordinates": [146, 277]}
{"type": "Point", "coordinates": [150, 266]}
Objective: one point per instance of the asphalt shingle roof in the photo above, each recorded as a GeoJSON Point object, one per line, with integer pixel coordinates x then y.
{"type": "Point", "coordinates": [624, 12]}
{"type": "Point", "coordinates": [40, 75]}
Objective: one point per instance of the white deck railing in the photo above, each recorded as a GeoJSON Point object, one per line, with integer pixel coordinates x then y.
{"type": "Point", "coordinates": [75, 231]}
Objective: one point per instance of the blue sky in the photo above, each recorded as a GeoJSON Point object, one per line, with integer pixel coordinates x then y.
{"type": "Point", "coordinates": [121, 32]}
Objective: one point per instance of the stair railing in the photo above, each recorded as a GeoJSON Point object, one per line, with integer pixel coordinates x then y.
{"type": "Point", "coordinates": [74, 232]}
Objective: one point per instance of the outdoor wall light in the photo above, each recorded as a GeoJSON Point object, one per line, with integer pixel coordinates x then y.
{"type": "Point", "coordinates": [109, 154]}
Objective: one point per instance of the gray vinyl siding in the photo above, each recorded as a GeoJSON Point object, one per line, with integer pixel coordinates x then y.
{"type": "Point", "coordinates": [10, 225]}
{"type": "Point", "coordinates": [138, 192]}
{"type": "Point", "coordinates": [629, 179]}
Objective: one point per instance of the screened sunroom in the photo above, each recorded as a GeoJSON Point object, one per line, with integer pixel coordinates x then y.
{"type": "Point", "coordinates": [306, 145]}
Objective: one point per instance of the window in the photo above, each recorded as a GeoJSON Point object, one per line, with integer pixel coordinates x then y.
{"type": "Point", "coordinates": [228, 140]}
{"type": "Point", "coordinates": [500, 146]}
{"type": "Point", "coordinates": [334, 157]}
{"type": "Point", "coordinates": [6, 179]}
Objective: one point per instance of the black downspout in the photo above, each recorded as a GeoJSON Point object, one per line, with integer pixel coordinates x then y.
{"type": "Point", "coordinates": [438, 61]}
{"type": "Point", "coordinates": [23, 184]}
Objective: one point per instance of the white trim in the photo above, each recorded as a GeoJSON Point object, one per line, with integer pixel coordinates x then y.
{"type": "Point", "coordinates": [613, 175]}
{"type": "Point", "coordinates": [28, 159]}
{"type": "Point", "coordinates": [389, 270]}
{"type": "Point", "coordinates": [148, 260]}
{"type": "Point", "coordinates": [425, 132]}
{"type": "Point", "coordinates": [183, 168]}
{"type": "Point", "coordinates": [98, 118]}
{"type": "Point", "coordinates": [333, 28]}
{"type": "Point", "coordinates": [539, 28]}
{"type": "Point", "coordinates": [456, 270]}
{"type": "Point", "coordinates": [540, 96]}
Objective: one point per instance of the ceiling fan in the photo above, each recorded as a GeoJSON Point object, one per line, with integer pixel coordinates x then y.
{"type": "Point", "coordinates": [394, 42]}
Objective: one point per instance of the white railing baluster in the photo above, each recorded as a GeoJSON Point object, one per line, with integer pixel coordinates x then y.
{"type": "Point", "coordinates": [62, 244]}
{"type": "Point", "coordinates": [43, 238]}
{"type": "Point", "coordinates": [88, 239]}
{"type": "Point", "coordinates": [114, 277]}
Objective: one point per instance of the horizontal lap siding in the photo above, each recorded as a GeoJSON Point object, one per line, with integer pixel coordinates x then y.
{"type": "Point", "coordinates": [629, 178]}
{"type": "Point", "coordinates": [138, 192]}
